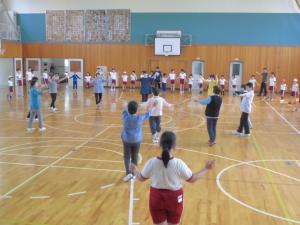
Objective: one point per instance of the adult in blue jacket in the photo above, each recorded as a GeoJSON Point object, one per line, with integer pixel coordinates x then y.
{"type": "Point", "coordinates": [145, 86]}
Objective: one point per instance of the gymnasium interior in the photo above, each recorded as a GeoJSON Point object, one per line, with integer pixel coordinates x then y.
{"type": "Point", "coordinates": [72, 173]}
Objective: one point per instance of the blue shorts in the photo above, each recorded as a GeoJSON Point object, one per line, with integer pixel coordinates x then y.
{"type": "Point", "coordinates": [164, 87]}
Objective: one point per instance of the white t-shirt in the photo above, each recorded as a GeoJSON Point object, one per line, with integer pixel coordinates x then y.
{"type": "Point", "coordinates": [164, 80]}
{"type": "Point", "coordinates": [233, 81]}
{"type": "Point", "coordinates": [172, 76]}
{"type": "Point", "coordinates": [182, 75]}
{"type": "Point", "coordinates": [125, 77]}
{"type": "Point", "coordinates": [113, 75]}
{"type": "Point", "coordinates": [133, 77]}
{"type": "Point", "coordinates": [246, 104]}
{"type": "Point", "coordinates": [29, 75]}
{"type": "Point", "coordinates": [169, 178]}
{"type": "Point", "coordinates": [272, 81]}
{"type": "Point", "coordinates": [88, 79]}
{"type": "Point", "coordinates": [222, 81]}
{"type": "Point", "coordinates": [45, 75]}
{"type": "Point", "coordinates": [191, 80]}
{"type": "Point", "coordinates": [295, 87]}
{"type": "Point", "coordinates": [19, 76]}
{"type": "Point", "coordinates": [201, 80]}
{"type": "Point", "coordinates": [283, 87]}
{"type": "Point", "coordinates": [253, 82]}
{"type": "Point", "coordinates": [158, 109]}
{"type": "Point", "coordinates": [10, 83]}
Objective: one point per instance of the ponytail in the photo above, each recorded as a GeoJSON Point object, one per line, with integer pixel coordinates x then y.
{"type": "Point", "coordinates": [167, 142]}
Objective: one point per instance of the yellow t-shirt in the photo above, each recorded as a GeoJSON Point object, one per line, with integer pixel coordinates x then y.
{"type": "Point", "coordinates": [211, 84]}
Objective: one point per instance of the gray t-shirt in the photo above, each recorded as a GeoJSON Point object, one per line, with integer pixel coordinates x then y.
{"type": "Point", "coordinates": [53, 87]}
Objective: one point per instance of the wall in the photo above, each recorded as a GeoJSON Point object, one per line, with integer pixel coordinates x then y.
{"type": "Point", "coordinates": [6, 70]}
{"type": "Point", "coordinates": [284, 61]}
{"type": "Point", "coordinates": [12, 49]}
{"type": "Point", "coordinates": [205, 28]}
{"type": "Point", "coordinates": [33, 6]}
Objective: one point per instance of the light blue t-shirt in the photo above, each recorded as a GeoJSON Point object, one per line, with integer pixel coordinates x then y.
{"type": "Point", "coordinates": [98, 85]}
{"type": "Point", "coordinates": [34, 98]}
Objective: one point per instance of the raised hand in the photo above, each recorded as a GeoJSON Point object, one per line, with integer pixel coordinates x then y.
{"type": "Point", "coordinates": [210, 164]}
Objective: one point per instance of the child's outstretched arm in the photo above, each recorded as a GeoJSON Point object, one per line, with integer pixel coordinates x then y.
{"type": "Point", "coordinates": [196, 176]}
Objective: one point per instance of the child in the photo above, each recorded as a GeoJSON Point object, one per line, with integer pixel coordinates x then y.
{"type": "Point", "coordinates": [124, 81]}
{"type": "Point", "coordinates": [75, 78]}
{"type": "Point", "coordinates": [212, 82]}
{"type": "Point", "coordinates": [88, 78]}
{"type": "Point", "coordinates": [145, 86]}
{"type": "Point", "coordinates": [164, 83]}
{"type": "Point", "coordinates": [191, 81]}
{"type": "Point", "coordinates": [133, 79]}
{"type": "Point", "coordinates": [10, 88]}
{"type": "Point", "coordinates": [200, 83]}
{"type": "Point", "coordinates": [156, 113]}
{"type": "Point", "coordinates": [98, 89]}
{"type": "Point", "coordinates": [172, 77]}
{"type": "Point", "coordinates": [234, 84]}
{"type": "Point", "coordinates": [182, 77]}
{"type": "Point", "coordinates": [167, 174]}
{"type": "Point", "coordinates": [19, 77]}
{"type": "Point", "coordinates": [152, 79]}
{"type": "Point", "coordinates": [132, 136]}
{"type": "Point", "coordinates": [246, 108]}
{"type": "Point", "coordinates": [253, 81]}
{"type": "Point", "coordinates": [45, 77]}
{"type": "Point", "coordinates": [283, 89]}
{"type": "Point", "coordinates": [113, 76]}
{"type": "Point", "coordinates": [53, 83]}
{"type": "Point", "coordinates": [213, 104]}
{"type": "Point", "coordinates": [222, 84]}
{"type": "Point", "coordinates": [272, 86]}
{"type": "Point", "coordinates": [29, 76]}
{"type": "Point", "coordinates": [35, 104]}
{"type": "Point", "coordinates": [295, 91]}
{"type": "Point", "coordinates": [158, 77]}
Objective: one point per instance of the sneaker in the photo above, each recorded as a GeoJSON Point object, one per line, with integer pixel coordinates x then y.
{"type": "Point", "coordinates": [127, 177]}
{"type": "Point", "coordinates": [245, 135]}
{"type": "Point", "coordinates": [36, 120]}
{"type": "Point", "coordinates": [236, 133]}
{"type": "Point", "coordinates": [43, 129]}
{"type": "Point", "coordinates": [157, 136]}
{"type": "Point", "coordinates": [211, 143]}
{"type": "Point", "coordinates": [30, 130]}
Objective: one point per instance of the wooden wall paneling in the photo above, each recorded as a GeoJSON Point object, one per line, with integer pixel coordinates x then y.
{"type": "Point", "coordinates": [12, 49]}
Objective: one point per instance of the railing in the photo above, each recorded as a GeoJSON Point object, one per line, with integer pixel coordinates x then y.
{"type": "Point", "coordinates": [9, 32]}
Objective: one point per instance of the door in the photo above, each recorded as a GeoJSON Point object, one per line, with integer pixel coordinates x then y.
{"type": "Point", "coordinates": [18, 68]}
{"type": "Point", "coordinates": [236, 70]}
{"type": "Point", "coordinates": [35, 65]}
{"type": "Point", "coordinates": [197, 69]}
{"type": "Point", "coordinates": [73, 66]}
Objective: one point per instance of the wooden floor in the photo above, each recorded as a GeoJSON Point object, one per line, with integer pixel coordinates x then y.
{"type": "Point", "coordinates": [44, 181]}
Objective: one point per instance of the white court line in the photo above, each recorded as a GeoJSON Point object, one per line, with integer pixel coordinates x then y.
{"type": "Point", "coordinates": [39, 197]}
{"type": "Point", "coordinates": [52, 164]}
{"type": "Point", "coordinates": [77, 193]}
{"type": "Point", "coordinates": [283, 118]}
{"type": "Point", "coordinates": [5, 197]}
{"type": "Point", "coordinates": [298, 163]}
{"type": "Point", "coordinates": [107, 186]}
{"type": "Point", "coordinates": [130, 212]}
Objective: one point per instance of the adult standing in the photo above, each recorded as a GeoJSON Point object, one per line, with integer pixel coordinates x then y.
{"type": "Point", "coordinates": [98, 89]}
{"type": "Point", "coordinates": [145, 86]}
{"type": "Point", "coordinates": [264, 79]}
{"type": "Point", "coordinates": [167, 173]}
{"type": "Point", "coordinates": [158, 76]}
{"type": "Point", "coordinates": [213, 104]}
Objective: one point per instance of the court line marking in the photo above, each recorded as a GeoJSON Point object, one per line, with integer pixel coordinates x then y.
{"type": "Point", "coordinates": [218, 181]}
{"type": "Point", "coordinates": [275, 189]}
{"type": "Point", "coordinates": [298, 163]}
{"type": "Point", "coordinates": [107, 186]}
{"type": "Point", "coordinates": [77, 193]}
{"type": "Point", "coordinates": [131, 197]}
{"type": "Point", "coordinates": [39, 197]}
{"type": "Point", "coordinates": [283, 118]}
{"type": "Point", "coordinates": [52, 164]}
{"type": "Point", "coordinates": [56, 157]}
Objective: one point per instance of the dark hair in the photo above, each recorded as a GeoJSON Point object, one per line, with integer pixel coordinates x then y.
{"type": "Point", "coordinates": [250, 85]}
{"type": "Point", "coordinates": [167, 142]}
{"type": "Point", "coordinates": [155, 91]}
{"type": "Point", "coordinates": [216, 90]}
{"type": "Point", "coordinates": [132, 107]}
{"type": "Point", "coordinates": [33, 81]}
